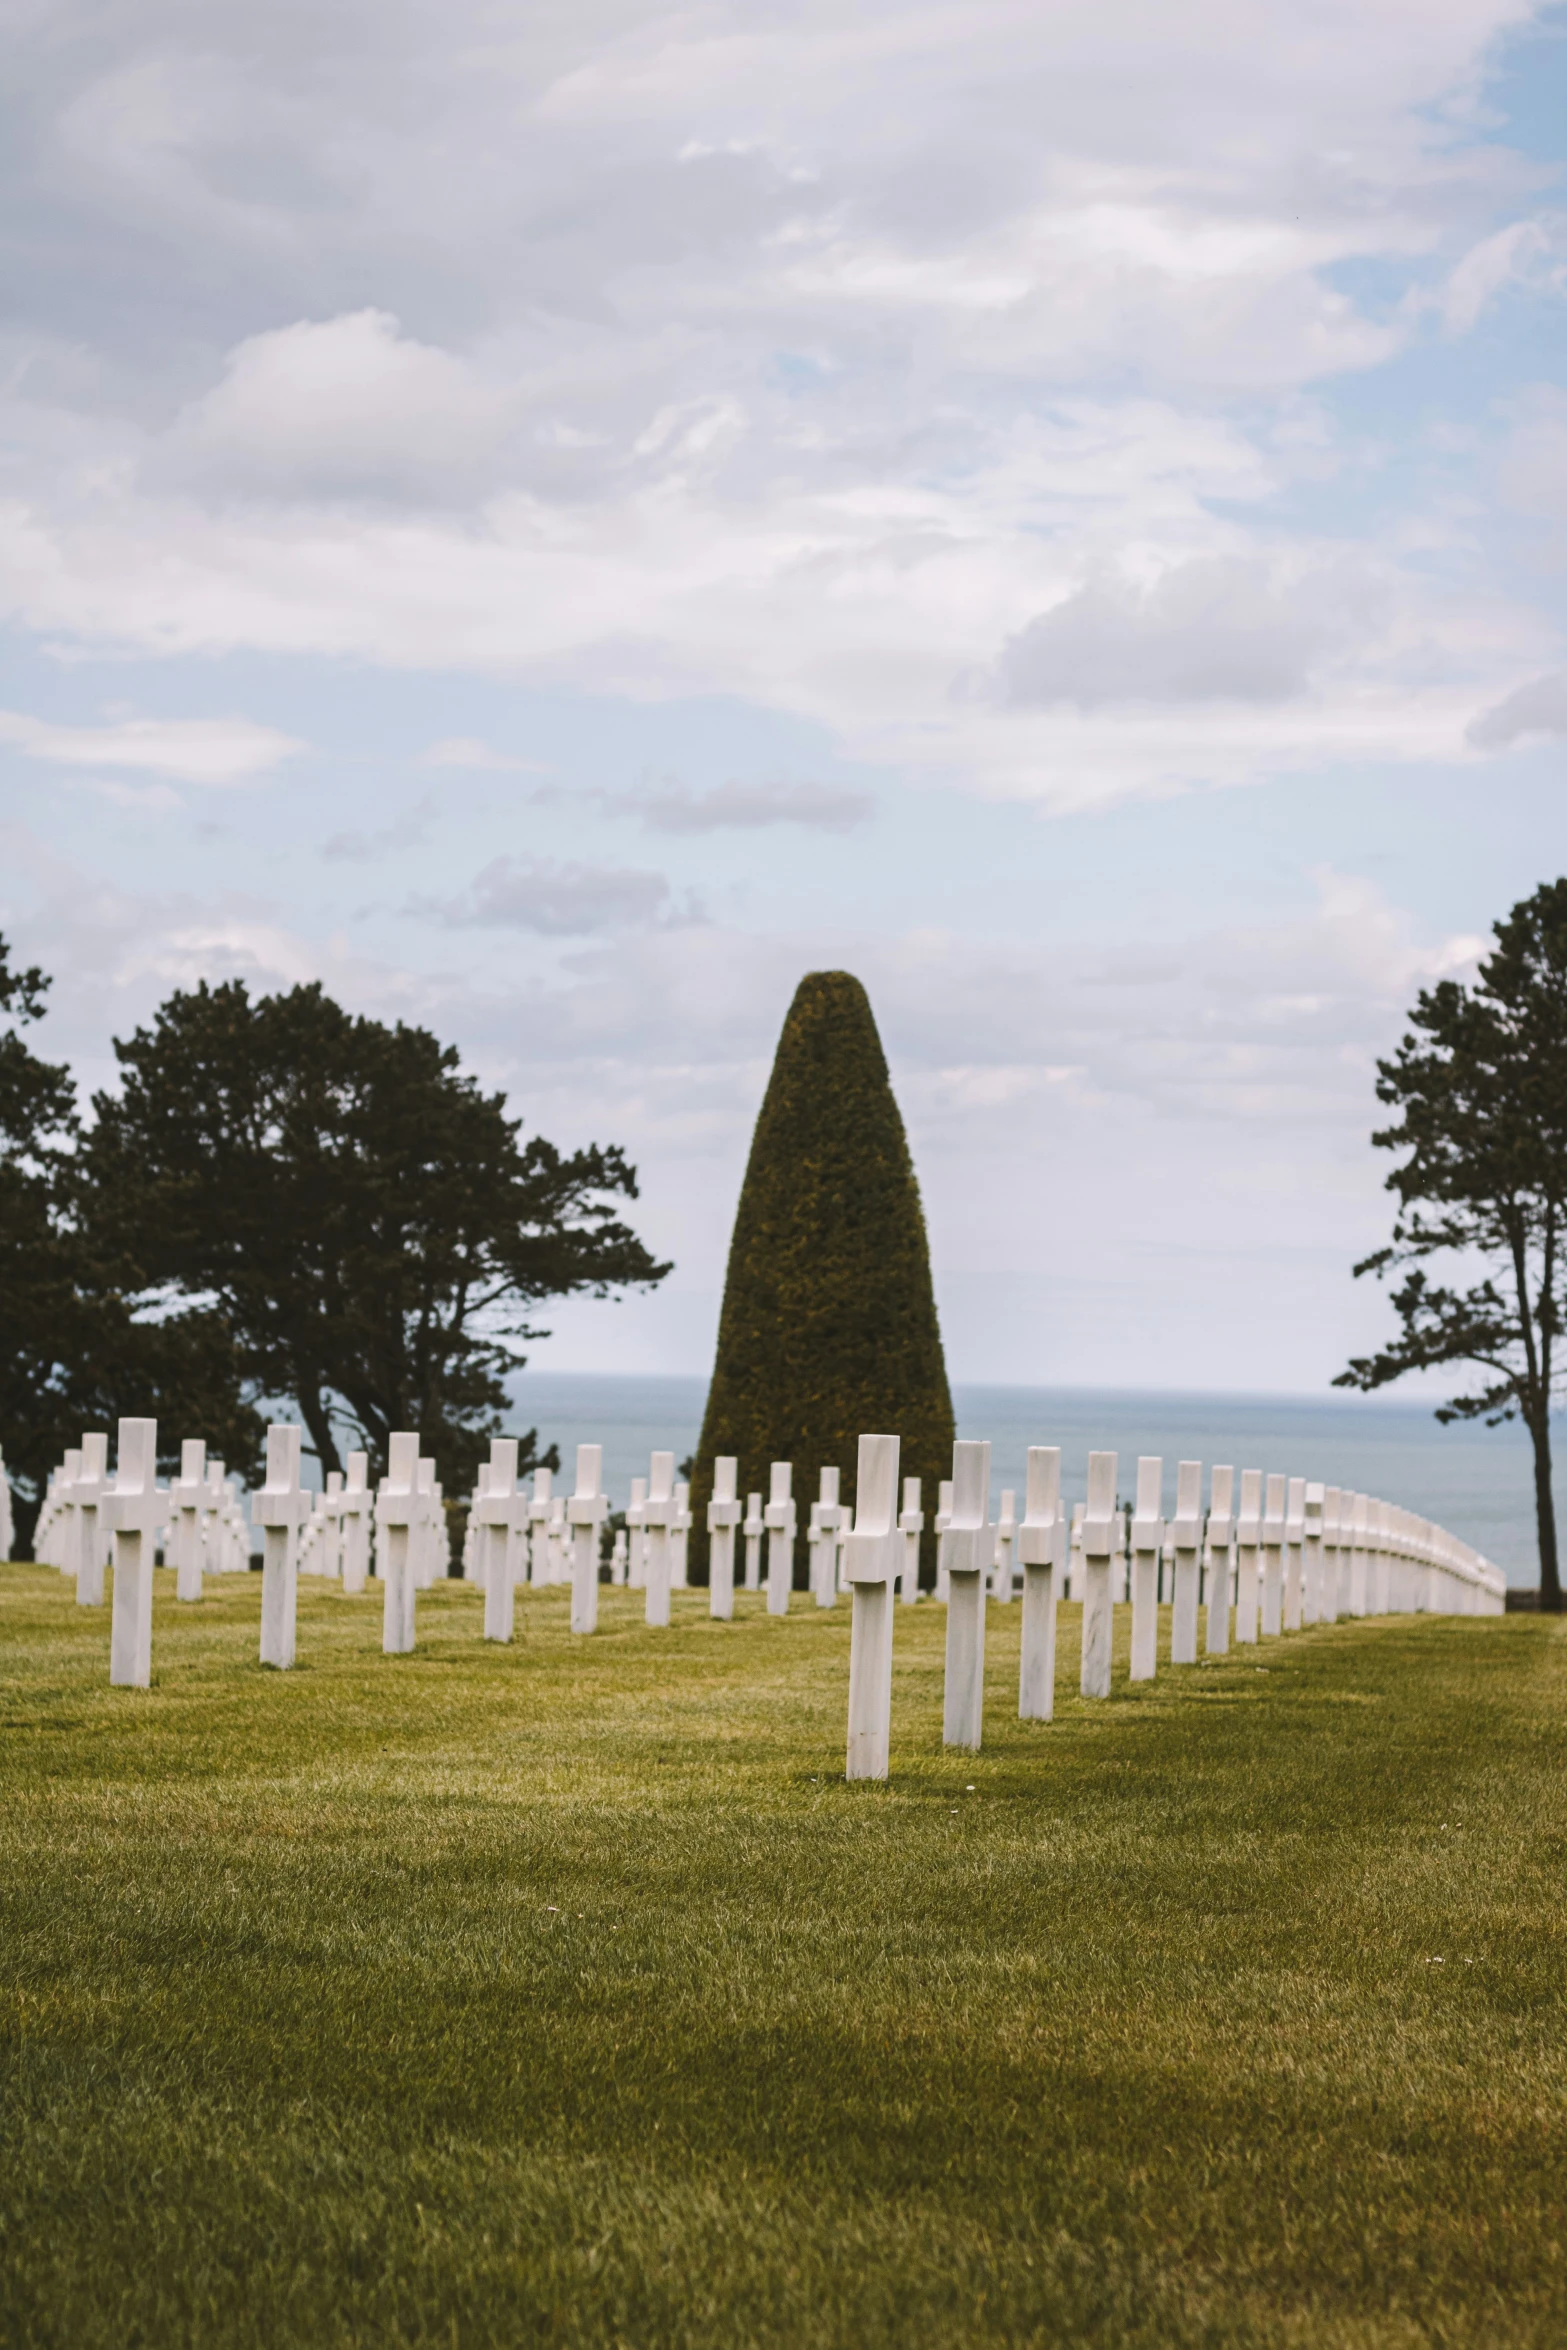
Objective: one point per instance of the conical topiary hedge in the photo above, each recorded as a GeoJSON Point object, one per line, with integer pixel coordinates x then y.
{"type": "Point", "coordinates": [828, 1328]}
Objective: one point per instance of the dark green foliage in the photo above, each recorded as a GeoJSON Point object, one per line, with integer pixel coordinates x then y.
{"type": "Point", "coordinates": [828, 1330]}
{"type": "Point", "coordinates": [372, 1227]}
{"type": "Point", "coordinates": [1481, 1092]}
{"type": "Point", "coordinates": [74, 1354]}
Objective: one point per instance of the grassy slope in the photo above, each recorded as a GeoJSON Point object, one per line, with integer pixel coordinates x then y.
{"type": "Point", "coordinates": [567, 1994]}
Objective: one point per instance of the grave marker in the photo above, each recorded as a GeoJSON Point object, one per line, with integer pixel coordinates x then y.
{"type": "Point", "coordinates": [133, 1511]}
{"type": "Point", "coordinates": [1248, 1538]}
{"type": "Point", "coordinates": [1313, 1514]}
{"type": "Point", "coordinates": [1273, 1522]}
{"type": "Point", "coordinates": [723, 1516]}
{"type": "Point", "coordinates": [753, 1530]}
{"type": "Point", "coordinates": [1186, 1538]}
{"type": "Point", "coordinates": [397, 1516]}
{"type": "Point", "coordinates": [1294, 1542]}
{"type": "Point", "coordinates": [1101, 1549]}
{"type": "Point", "coordinates": [822, 1540]}
{"type": "Point", "coordinates": [967, 1552]}
{"type": "Point", "coordinates": [872, 1556]}
{"type": "Point", "coordinates": [1359, 1538]}
{"type": "Point", "coordinates": [658, 1513]}
{"type": "Point", "coordinates": [943, 1521]}
{"type": "Point", "coordinates": [91, 1486]}
{"type": "Point", "coordinates": [1006, 1538]}
{"type": "Point", "coordinates": [635, 1511]}
{"type": "Point", "coordinates": [1221, 1559]}
{"type": "Point", "coordinates": [911, 1525]}
{"type": "Point", "coordinates": [585, 1514]}
{"type": "Point", "coordinates": [280, 1508]}
{"type": "Point", "coordinates": [1147, 1549]}
{"type": "Point", "coordinates": [1041, 1550]}
{"type": "Point", "coordinates": [187, 1492]}
{"type": "Point", "coordinates": [497, 1512]}
{"type": "Point", "coordinates": [779, 1519]}
{"type": "Point", "coordinates": [357, 1507]}
{"type": "Point", "coordinates": [538, 1529]}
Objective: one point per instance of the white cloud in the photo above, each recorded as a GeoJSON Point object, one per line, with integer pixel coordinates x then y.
{"type": "Point", "coordinates": [1222, 628]}
{"type": "Point", "coordinates": [340, 408]}
{"type": "Point", "coordinates": [742, 806]}
{"type": "Point", "coordinates": [806, 360]}
{"type": "Point", "coordinates": [556, 899]}
{"type": "Point", "coordinates": [467, 750]}
{"type": "Point", "coordinates": [1539, 707]}
{"type": "Point", "coordinates": [213, 751]}
{"type": "Point", "coordinates": [1530, 253]}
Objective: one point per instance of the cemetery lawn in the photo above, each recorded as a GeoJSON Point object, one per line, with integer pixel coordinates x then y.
{"type": "Point", "coordinates": [565, 1994]}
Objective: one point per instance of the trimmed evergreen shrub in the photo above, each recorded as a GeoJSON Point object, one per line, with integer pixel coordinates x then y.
{"type": "Point", "coordinates": [828, 1328]}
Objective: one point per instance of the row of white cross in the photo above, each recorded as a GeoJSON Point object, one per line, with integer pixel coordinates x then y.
{"type": "Point", "coordinates": [1290, 1555]}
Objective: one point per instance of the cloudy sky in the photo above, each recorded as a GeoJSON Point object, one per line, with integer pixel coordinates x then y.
{"type": "Point", "coordinates": [558, 519]}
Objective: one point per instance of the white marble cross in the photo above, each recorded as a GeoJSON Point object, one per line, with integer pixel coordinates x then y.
{"type": "Point", "coordinates": [422, 1547]}
{"type": "Point", "coordinates": [1273, 1556]}
{"type": "Point", "coordinates": [779, 1519]}
{"type": "Point", "coordinates": [967, 1553]}
{"type": "Point", "coordinates": [1221, 1545]}
{"type": "Point", "coordinates": [658, 1512]}
{"type": "Point", "coordinates": [332, 1531]}
{"type": "Point", "coordinates": [1294, 1537]}
{"type": "Point", "coordinates": [133, 1511]}
{"type": "Point", "coordinates": [943, 1521]}
{"type": "Point", "coordinates": [1006, 1537]}
{"type": "Point", "coordinates": [1381, 1556]}
{"type": "Point", "coordinates": [496, 1512]}
{"type": "Point", "coordinates": [1186, 1535]}
{"type": "Point", "coordinates": [1332, 1553]}
{"type": "Point", "coordinates": [280, 1508]}
{"type": "Point", "coordinates": [62, 1533]}
{"type": "Point", "coordinates": [635, 1512]}
{"type": "Point", "coordinates": [723, 1516]}
{"type": "Point", "coordinates": [1359, 1544]}
{"type": "Point", "coordinates": [680, 1537]}
{"type": "Point", "coordinates": [1311, 1551]}
{"type": "Point", "coordinates": [91, 1485]}
{"type": "Point", "coordinates": [1041, 1543]}
{"type": "Point", "coordinates": [538, 1528]}
{"type": "Point", "coordinates": [911, 1525]}
{"type": "Point", "coordinates": [1248, 1540]}
{"type": "Point", "coordinates": [1102, 1524]}
{"type": "Point", "coordinates": [1075, 1552]}
{"type": "Point", "coordinates": [585, 1514]}
{"type": "Point", "coordinates": [1147, 1549]}
{"type": "Point", "coordinates": [754, 1527]}
{"type": "Point", "coordinates": [871, 1560]}
{"type": "Point", "coordinates": [187, 1498]}
{"type": "Point", "coordinates": [826, 1518]}
{"type": "Point", "coordinates": [617, 1557]}
{"type": "Point", "coordinates": [398, 1514]}
{"type": "Point", "coordinates": [357, 1507]}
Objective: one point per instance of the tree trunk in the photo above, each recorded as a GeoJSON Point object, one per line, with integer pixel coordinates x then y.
{"type": "Point", "coordinates": [319, 1422]}
{"type": "Point", "coordinates": [1545, 1515]}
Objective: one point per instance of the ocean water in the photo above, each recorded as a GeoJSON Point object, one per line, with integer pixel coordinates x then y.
{"type": "Point", "coordinates": [1476, 1481]}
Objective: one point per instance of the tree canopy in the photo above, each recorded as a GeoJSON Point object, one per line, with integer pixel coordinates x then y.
{"type": "Point", "coordinates": [364, 1217]}
{"type": "Point", "coordinates": [74, 1353]}
{"type": "Point", "coordinates": [1480, 1088]}
{"type": "Point", "coordinates": [828, 1329]}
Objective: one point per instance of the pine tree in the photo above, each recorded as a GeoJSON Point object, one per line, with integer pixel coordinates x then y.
{"type": "Point", "coordinates": [828, 1329]}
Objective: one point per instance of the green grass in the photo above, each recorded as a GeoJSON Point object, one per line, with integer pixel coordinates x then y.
{"type": "Point", "coordinates": [566, 1994]}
